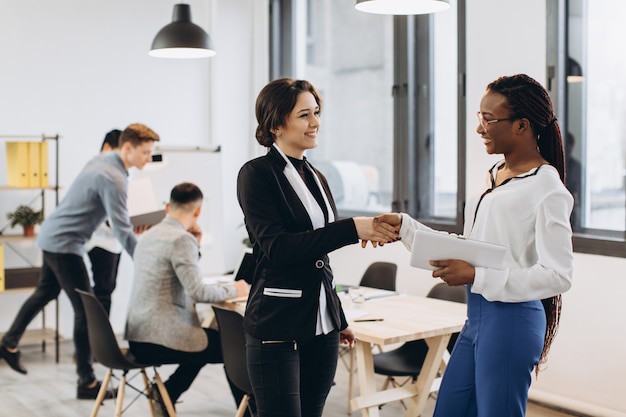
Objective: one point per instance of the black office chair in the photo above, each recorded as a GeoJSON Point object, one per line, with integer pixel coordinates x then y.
{"type": "Point", "coordinates": [233, 340]}
{"type": "Point", "coordinates": [407, 360]}
{"type": "Point", "coordinates": [380, 275]}
{"type": "Point", "coordinates": [107, 351]}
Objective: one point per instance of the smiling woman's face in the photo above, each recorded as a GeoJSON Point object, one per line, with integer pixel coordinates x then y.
{"type": "Point", "coordinates": [498, 135]}
{"type": "Point", "coordinates": [299, 131]}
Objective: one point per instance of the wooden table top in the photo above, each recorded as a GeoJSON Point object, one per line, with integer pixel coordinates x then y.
{"type": "Point", "coordinates": [406, 318]}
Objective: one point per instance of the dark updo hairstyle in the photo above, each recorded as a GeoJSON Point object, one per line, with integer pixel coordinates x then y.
{"type": "Point", "coordinates": [274, 103]}
{"type": "Point", "coordinates": [526, 98]}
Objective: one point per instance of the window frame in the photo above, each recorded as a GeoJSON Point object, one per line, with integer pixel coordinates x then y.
{"type": "Point", "coordinates": [413, 163]}
{"type": "Point", "coordinates": [412, 95]}
{"type": "Point", "coordinates": [586, 240]}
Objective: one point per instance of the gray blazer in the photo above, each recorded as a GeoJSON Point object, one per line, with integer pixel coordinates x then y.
{"type": "Point", "coordinates": [166, 285]}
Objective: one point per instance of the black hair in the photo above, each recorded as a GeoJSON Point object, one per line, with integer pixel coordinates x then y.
{"type": "Point", "coordinates": [526, 98]}
{"type": "Point", "coordinates": [185, 193]}
{"type": "Point", "coordinates": [112, 138]}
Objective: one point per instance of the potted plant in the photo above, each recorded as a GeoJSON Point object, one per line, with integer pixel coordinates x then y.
{"type": "Point", "coordinates": [27, 218]}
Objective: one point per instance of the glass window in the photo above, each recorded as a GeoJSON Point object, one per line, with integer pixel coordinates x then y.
{"type": "Point", "coordinates": [445, 102]}
{"type": "Point", "coordinates": [593, 104]}
{"type": "Point", "coordinates": [380, 147]}
{"type": "Point", "coordinates": [441, 79]}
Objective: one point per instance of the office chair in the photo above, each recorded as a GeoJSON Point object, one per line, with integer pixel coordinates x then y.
{"type": "Point", "coordinates": [381, 275]}
{"type": "Point", "coordinates": [233, 340]}
{"type": "Point", "coordinates": [107, 351]}
{"type": "Point", "coordinates": [407, 360]}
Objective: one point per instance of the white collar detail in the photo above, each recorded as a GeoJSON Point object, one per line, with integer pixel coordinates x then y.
{"type": "Point", "coordinates": [304, 194]}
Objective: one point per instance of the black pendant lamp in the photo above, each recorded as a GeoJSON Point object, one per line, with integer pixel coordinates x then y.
{"type": "Point", "coordinates": [401, 7]}
{"type": "Point", "coordinates": [182, 38]}
{"type": "Point", "coordinates": [574, 71]}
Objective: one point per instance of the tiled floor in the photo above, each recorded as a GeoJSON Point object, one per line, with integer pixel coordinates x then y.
{"type": "Point", "coordinates": [49, 390]}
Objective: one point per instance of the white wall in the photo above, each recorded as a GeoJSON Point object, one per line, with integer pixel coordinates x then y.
{"type": "Point", "coordinates": [80, 68]}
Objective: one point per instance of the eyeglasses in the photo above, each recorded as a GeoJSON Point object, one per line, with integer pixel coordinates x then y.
{"type": "Point", "coordinates": [485, 123]}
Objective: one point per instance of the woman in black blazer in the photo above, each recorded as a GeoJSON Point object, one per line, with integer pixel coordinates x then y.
{"type": "Point", "coordinates": [294, 321]}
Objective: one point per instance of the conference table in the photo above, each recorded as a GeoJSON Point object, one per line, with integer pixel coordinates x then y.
{"type": "Point", "coordinates": [388, 318]}
{"type": "Point", "coordinates": [404, 318]}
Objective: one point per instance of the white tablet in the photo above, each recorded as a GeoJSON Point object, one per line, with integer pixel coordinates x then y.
{"type": "Point", "coordinates": [431, 245]}
{"type": "Point", "coordinates": [147, 219]}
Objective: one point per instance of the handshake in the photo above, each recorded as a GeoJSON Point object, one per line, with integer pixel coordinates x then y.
{"type": "Point", "coordinates": [384, 228]}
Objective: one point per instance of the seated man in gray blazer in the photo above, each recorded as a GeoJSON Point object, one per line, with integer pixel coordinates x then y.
{"type": "Point", "coordinates": [162, 324]}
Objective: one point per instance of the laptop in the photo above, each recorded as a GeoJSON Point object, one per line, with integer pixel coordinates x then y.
{"type": "Point", "coordinates": [244, 269]}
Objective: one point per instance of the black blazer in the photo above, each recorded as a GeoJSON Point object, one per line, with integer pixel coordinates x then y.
{"type": "Point", "coordinates": [291, 257]}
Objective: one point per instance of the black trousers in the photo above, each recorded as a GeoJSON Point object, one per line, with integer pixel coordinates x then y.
{"type": "Point", "coordinates": [292, 379]}
{"type": "Point", "coordinates": [104, 265]}
{"type": "Point", "coordinates": [190, 363]}
{"type": "Point", "coordinates": [67, 272]}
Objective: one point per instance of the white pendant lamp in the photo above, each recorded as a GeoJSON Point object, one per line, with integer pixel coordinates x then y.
{"type": "Point", "coordinates": [182, 38]}
{"type": "Point", "coordinates": [401, 7]}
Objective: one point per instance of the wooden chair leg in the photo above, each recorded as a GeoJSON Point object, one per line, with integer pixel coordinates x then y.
{"type": "Point", "coordinates": [243, 405]}
{"type": "Point", "coordinates": [120, 396]}
{"type": "Point", "coordinates": [164, 394]}
{"type": "Point", "coordinates": [388, 380]}
{"type": "Point", "coordinates": [351, 371]}
{"type": "Point", "coordinates": [147, 390]}
{"type": "Point", "coordinates": [101, 393]}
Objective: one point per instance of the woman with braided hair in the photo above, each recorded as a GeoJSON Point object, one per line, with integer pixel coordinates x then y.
{"type": "Point", "coordinates": [513, 312]}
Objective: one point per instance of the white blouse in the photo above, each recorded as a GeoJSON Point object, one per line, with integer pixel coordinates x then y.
{"type": "Point", "coordinates": [529, 214]}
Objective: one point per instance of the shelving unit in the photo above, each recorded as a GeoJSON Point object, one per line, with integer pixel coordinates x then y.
{"type": "Point", "coordinates": [24, 279]}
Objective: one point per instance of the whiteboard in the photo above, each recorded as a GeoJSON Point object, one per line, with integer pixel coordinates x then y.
{"type": "Point", "coordinates": [149, 189]}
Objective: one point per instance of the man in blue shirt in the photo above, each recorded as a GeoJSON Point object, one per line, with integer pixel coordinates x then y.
{"type": "Point", "coordinates": [99, 192]}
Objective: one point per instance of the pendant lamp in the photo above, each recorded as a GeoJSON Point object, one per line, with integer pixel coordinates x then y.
{"type": "Point", "coordinates": [574, 71]}
{"type": "Point", "coordinates": [401, 7]}
{"type": "Point", "coordinates": [182, 38]}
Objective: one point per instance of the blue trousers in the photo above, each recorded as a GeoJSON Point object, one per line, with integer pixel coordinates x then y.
{"type": "Point", "coordinates": [489, 372]}
{"type": "Point", "coordinates": [292, 379]}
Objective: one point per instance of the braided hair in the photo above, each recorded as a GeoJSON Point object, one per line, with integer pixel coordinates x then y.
{"type": "Point", "coordinates": [526, 98]}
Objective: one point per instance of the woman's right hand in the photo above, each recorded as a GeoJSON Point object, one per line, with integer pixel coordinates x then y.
{"type": "Point", "coordinates": [376, 231]}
